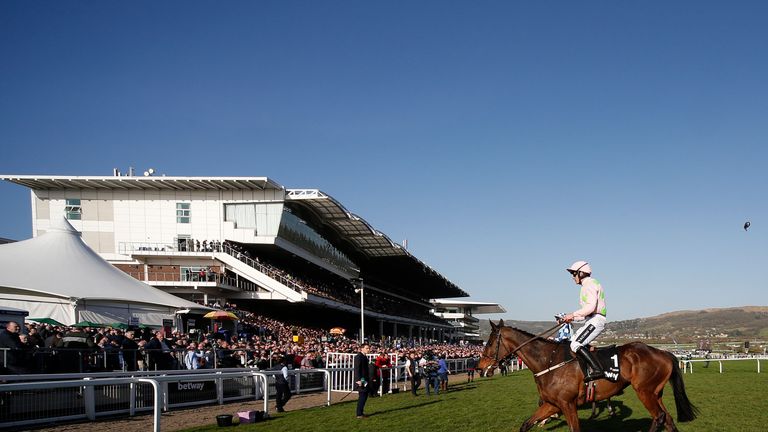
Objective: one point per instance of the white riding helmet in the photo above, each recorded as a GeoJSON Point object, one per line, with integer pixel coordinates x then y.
{"type": "Point", "coordinates": [580, 266]}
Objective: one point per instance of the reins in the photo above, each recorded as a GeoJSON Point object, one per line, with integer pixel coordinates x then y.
{"type": "Point", "coordinates": [540, 335]}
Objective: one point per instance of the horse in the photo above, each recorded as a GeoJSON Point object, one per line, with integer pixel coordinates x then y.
{"type": "Point", "coordinates": [559, 378]}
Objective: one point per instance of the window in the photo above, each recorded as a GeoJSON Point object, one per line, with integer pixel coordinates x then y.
{"type": "Point", "coordinates": [73, 210]}
{"type": "Point", "coordinates": [183, 213]}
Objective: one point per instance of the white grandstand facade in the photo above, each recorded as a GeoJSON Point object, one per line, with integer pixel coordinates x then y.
{"type": "Point", "coordinates": [238, 239]}
{"type": "Point", "coordinates": [461, 314]}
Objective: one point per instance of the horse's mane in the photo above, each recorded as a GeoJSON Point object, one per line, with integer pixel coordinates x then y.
{"type": "Point", "coordinates": [531, 335]}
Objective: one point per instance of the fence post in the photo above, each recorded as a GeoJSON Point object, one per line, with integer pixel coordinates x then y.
{"type": "Point", "coordinates": [298, 382]}
{"type": "Point", "coordinates": [164, 394]}
{"type": "Point", "coordinates": [132, 399]}
{"type": "Point", "coordinates": [327, 383]}
{"type": "Point", "coordinates": [89, 400]}
{"type": "Point", "coordinates": [220, 388]}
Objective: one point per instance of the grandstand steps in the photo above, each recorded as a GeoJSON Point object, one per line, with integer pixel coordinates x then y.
{"type": "Point", "coordinates": [275, 289]}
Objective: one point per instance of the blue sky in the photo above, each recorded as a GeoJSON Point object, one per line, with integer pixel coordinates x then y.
{"type": "Point", "coordinates": [504, 140]}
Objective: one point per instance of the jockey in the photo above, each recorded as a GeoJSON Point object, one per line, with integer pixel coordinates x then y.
{"type": "Point", "coordinates": [592, 302]}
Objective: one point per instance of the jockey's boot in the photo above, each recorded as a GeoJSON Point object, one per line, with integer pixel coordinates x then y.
{"type": "Point", "coordinates": [595, 371]}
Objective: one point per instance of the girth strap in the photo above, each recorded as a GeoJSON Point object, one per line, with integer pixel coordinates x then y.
{"type": "Point", "coordinates": [557, 366]}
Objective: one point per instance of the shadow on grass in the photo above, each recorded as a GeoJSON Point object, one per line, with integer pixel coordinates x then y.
{"type": "Point", "coordinates": [617, 422]}
{"type": "Point", "coordinates": [405, 408]}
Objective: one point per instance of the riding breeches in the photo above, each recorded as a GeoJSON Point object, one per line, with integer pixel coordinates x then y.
{"type": "Point", "coordinates": [588, 332]}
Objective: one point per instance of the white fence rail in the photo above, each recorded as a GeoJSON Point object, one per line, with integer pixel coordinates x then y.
{"type": "Point", "coordinates": [86, 398]}
{"type": "Point", "coordinates": [341, 368]}
{"type": "Point", "coordinates": [688, 364]}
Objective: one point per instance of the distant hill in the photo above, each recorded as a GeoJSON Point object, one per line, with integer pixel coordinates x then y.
{"type": "Point", "coordinates": [741, 323]}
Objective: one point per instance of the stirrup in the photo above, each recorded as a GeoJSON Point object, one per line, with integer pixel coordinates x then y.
{"type": "Point", "coordinates": [594, 375]}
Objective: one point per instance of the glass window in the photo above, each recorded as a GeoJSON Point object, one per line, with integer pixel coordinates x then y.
{"type": "Point", "coordinates": [73, 210]}
{"type": "Point", "coordinates": [183, 213]}
{"type": "Point", "coordinates": [298, 232]}
{"type": "Point", "coordinates": [197, 274]}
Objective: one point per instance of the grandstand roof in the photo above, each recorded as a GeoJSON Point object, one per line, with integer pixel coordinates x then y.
{"type": "Point", "coordinates": [47, 182]}
{"type": "Point", "coordinates": [477, 307]}
{"type": "Point", "coordinates": [387, 257]}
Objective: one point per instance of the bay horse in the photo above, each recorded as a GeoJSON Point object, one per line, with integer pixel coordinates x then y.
{"type": "Point", "coordinates": [559, 378]}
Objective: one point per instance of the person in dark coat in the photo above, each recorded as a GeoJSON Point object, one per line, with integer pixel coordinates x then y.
{"type": "Point", "coordinates": [15, 357]}
{"type": "Point", "coordinates": [77, 344]}
{"type": "Point", "coordinates": [130, 351]}
{"type": "Point", "coordinates": [158, 353]}
{"type": "Point", "coordinates": [282, 387]}
{"type": "Point", "coordinates": [362, 378]}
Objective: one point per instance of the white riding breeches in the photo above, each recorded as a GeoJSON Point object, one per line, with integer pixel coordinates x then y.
{"type": "Point", "coordinates": [588, 332]}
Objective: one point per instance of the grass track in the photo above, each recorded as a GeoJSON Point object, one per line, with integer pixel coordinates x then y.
{"type": "Point", "coordinates": [732, 401]}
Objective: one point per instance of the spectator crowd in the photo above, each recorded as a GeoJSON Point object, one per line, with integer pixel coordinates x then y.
{"type": "Point", "coordinates": [260, 342]}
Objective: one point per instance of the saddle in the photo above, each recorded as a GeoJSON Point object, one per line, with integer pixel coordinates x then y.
{"type": "Point", "coordinates": [607, 357]}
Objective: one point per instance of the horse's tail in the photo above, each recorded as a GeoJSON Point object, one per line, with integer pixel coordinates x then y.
{"type": "Point", "coordinates": [686, 411]}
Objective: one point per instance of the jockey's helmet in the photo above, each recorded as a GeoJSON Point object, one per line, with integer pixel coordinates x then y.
{"type": "Point", "coordinates": [579, 266]}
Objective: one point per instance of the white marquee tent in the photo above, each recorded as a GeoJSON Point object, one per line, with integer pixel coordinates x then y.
{"type": "Point", "coordinates": [57, 275]}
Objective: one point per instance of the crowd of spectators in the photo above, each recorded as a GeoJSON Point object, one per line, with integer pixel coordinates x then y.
{"type": "Point", "coordinates": [336, 289]}
{"type": "Point", "coordinates": [260, 342]}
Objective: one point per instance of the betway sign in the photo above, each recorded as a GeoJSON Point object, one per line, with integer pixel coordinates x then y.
{"type": "Point", "coordinates": [191, 386]}
{"type": "Point", "coordinates": [191, 391]}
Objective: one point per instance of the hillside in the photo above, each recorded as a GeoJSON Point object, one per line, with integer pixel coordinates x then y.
{"type": "Point", "coordinates": [739, 324]}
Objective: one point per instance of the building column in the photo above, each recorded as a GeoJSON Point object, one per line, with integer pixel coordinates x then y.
{"type": "Point", "coordinates": [381, 329]}
{"type": "Point", "coordinates": [394, 330]}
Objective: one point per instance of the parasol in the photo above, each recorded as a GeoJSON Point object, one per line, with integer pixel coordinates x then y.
{"type": "Point", "coordinates": [221, 315]}
{"type": "Point", "coordinates": [87, 324]}
{"type": "Point", "coordinates": [50, 321]}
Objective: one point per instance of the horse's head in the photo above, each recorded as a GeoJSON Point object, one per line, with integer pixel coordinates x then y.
{"type": "Point", "coordinates": [495, 350]}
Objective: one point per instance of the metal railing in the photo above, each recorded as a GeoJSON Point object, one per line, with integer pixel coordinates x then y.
{"type": "Point", "coordinates": [29, 403]}
{"type": "Point", "coordinates": [267, 270]}
{"type": "Point", "coordinates": [78, 360]}
{"type": "Point", "coordinates": [182, 246]}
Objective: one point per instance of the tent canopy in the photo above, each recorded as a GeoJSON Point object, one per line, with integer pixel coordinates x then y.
{"type": "Point", "coordinates": [57, 270]}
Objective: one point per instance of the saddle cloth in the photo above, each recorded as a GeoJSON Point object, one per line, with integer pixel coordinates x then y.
{"type": "Point", "coordinates": [608, 357]}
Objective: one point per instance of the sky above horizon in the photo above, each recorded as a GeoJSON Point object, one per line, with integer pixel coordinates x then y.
{"type": "Point", "coordinates": [503, 140]}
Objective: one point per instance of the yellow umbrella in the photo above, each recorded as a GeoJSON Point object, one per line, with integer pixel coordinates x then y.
{"type": "Point", "coordinates": [221, 315]}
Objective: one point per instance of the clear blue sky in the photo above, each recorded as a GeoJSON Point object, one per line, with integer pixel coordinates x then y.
{"type": "Point", "coordinates": [504, 140]}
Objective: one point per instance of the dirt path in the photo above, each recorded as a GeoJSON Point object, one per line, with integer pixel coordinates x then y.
{"type": "Point", "coordinates": [205, 415]}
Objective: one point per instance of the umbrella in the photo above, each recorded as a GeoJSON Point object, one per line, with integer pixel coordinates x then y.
{"type": "Point", "coordinates": [87, 324]}
{"type": "Point", "coordinates": [119, 325]}
{"type": "Point", "coordinates": [221, 315]}
{"type": "Point", "coordinates": [337, 331]}
{"type": "Point", "coordinates": [50, 321]}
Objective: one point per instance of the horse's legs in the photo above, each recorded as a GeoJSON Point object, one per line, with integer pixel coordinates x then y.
{"type": "Point", "coordinates": [651, 403]}
{"type": "Point", "coordinates": [596, 410]}
{"type": "Point", "coordinates": [545, 410]}
{"type": "Point", "coordinates": [669, 423]}
{"type": "Point", "coordinates": [572, 417]}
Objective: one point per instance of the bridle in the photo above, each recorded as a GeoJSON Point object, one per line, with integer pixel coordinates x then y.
{"type": "Point", "coordinates": [496, 357]}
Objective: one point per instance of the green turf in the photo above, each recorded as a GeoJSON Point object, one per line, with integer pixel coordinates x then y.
{"type": "Point", "coordinates": [732, 401]}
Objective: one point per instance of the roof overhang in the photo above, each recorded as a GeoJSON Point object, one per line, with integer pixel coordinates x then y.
{"type": "Point", "coordinates": [353, 228]}
{"type": "Point", "coordinates": [367, 240]}
{"type": "Point", "coordinates": [476, 307]}
{"type": "Point", "coordinates": [52, 182]}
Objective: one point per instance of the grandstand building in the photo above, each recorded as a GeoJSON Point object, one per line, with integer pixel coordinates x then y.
{"type": "Point", "coordinates": [250, 241]}
{"type": "Point", "coordinates": [461, 314]}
